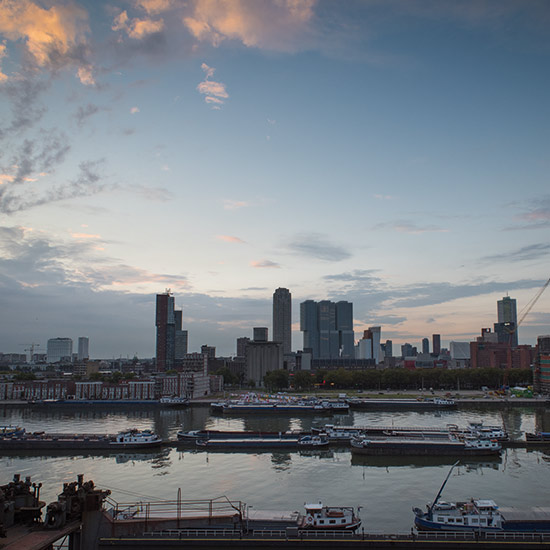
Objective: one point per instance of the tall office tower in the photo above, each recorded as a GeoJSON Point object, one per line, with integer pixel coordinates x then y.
{"type": "Point", "coordinates": [375, 337]}
{"type": "Point", "coordinates": [389, 349]}
{"type": "Point", "coordinates": [436, 344]}
{"type": "Point", "coordinates": [282, 318]}
{"type": "Point", "coordinates": [309, 325]}
{"type": "Point", "coordinates": [328, 329]}
{"type": "Point", "coordinates": [425, 345]}
{"type": "Point", "coordinates": [83, 346]}
{"type": "Point", "coordinates": [241, 346]}
{"type": "Point", "coordinates": [181, 337]}
{"type": "Point", "coordinates": [406, 350]}
{"type": "Point", "coordinates": [344, 327]}
{"type": "Point", "coordinates": [165, 322]}
{"type": "Point", "coordinates": [507, 325]}
{"type": "Point", "coordinates": [260, 334]}
{"type": "Point", "coordinates": [59, 349]}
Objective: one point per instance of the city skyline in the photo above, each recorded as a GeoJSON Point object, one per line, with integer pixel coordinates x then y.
{"type": "Point", "coordinates": [393, 155]}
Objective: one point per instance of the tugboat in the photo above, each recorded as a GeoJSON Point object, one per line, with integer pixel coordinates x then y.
{"type": "Point", "coordinates": [479, 515]}
{"type": "Point", "coordinates": [322, 517]}
{"type": "Point", "coordinates": [136, 439]}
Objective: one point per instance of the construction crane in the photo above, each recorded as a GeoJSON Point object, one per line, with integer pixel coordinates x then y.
{"type": "Point", "coordinates": [31, 349]}
{"type": "Point", "coordinates": [529, 306]}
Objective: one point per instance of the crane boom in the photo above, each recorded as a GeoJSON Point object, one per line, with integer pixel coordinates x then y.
{"type": "Point", "coordinates": [533, 301]}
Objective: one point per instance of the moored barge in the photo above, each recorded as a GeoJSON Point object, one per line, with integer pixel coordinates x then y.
{"type": "Point", "coordinates": [131, 439]}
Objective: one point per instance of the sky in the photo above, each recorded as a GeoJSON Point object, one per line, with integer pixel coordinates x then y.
{"type": "Point", "coordinates": [393, 153]}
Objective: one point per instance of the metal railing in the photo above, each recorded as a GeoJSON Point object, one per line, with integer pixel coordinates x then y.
{"type": "Point", "coordinates": [457, 536]}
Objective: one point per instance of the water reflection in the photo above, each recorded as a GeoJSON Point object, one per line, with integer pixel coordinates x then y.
{"type": "Point", "coordinates": [424, 461]}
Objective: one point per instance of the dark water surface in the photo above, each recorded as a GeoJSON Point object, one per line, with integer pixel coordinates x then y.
{"type": "Point", "coordinates": [385, 487]}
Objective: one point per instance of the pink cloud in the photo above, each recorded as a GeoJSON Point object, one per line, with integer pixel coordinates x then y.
{"type": "Point", "coordinates": [264, 264]}
{"type": "Point", "coordinates": [229, 239]}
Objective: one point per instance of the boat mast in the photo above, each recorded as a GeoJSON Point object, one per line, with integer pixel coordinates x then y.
{"type": "Point", "coordinates": [443, 485]}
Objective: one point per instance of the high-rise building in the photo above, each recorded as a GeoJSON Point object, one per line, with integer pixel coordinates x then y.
{"type": "Point", "coordinates": [181, 337]}
{"type": "Point", "coordinates": [83, 347]}
{"type": "Point", "coordinates": [436, 344]}
{"type": "Point", "coordinates": [260, 334]}
{"type": "Point", "coordinates": [328, 329]}
{"type": "Point", "coordinates": [209, 351]}
{"type": "Point", "coordinates": [425, 345]}
{"type": "Point", "coordinates": [507, 318]}
{"type": "Point", "coordinates": [282, 318]}
{"type": "Point", "coordinates": [59, 349]}
{"type": "Point", "coordinates": [309, 325]}
{"type": "Point", "coordinates": [241, 346]}
{"type": "Point", "coordinates": [165, 322]}
{"type": "Point", "coordinates": [388, 352]}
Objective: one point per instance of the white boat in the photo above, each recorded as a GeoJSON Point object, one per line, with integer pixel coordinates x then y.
{"type": "Point", "coordinates": [322, 517]}
{"type": "Point", "coordinates": [136, 439]}
{"type": "Point", "coordinates": [174, 401]}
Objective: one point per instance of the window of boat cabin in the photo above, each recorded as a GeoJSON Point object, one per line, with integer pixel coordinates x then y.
{"type": "Point", "coordinates": [332, 521]}
{"type": "Point", "coordinates": [474, 520]}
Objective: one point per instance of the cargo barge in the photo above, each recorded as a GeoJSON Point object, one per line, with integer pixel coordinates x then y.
{"type": "Point", "coordinates": [434, 403]}
{"type": "Point", "coordinates": [132, 439]}
{"type": "Point", "coordinates": [269, 443]}
{"type": "Point", "coordinates": [427, 446]}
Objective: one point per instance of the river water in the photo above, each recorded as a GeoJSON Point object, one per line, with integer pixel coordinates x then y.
{"type": "Point", "coordinates": [387, 488]}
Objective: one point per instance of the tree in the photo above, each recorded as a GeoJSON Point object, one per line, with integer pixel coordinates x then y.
{"type": "Point", "coordinates": [303, 380]}
{"type": "Point", "coordinates": [276, 380]}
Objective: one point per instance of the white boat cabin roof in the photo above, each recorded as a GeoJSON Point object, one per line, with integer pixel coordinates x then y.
{"type": "Point", "coordinates": [317, 507]}
{"type": "Point", "coordinates": [486, 504]}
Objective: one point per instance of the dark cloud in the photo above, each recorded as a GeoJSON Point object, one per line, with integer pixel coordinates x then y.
{"type": "Point", "coordinates": [26, 109]}
{"type": "Point", "coordinates": [523, 254]}
{"type": "Point", "coordinates": [85, 112]}
{"type": "Point", "coordinates": [87, 183]}
{"type": "Point", "coordinates": [318, 246]}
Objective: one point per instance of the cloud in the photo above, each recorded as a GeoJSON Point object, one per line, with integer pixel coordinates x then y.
{"type": "Point", "coordinates": [87, 183]}
{"type": "Point", "coordinates": [136, 28]}
{"type": "Point", "coordinates": [214, 92]}
{"type": "Point", "coordinates": [384, 197]}
{"type": "Point", "coordinates": [134, 110]}
{"type": "Point", "coordinates": [3, 52]}
{"type": "Point", "coordinates": [410, 227]}
{"type": "Point", "coordinates": [156, 6]}
{"type": "Point", "coordinates": [278, 26]}
{"type": "Point", "coordinates": [523, 254]}
{"type": "Point", "coordinates": [264, 264]}
{"type": "Point", "coordinates": [536, 216]}
{"type": "Point", "coordinates": [53, 37]}
{"type": "Point", "coordinates": [229, 239]}
{"type": "Point", "coordinates": [84, 236]}
{"type": "Point", "coordinates": [150, 193]}
{"type": "Point", "coordinates": [316, 245]}
{"type": "Point", "coordinates": [230, 204]}
{"type": "Point", "coordinates": [85, 112]}
{"type": "Point", "coordinates": [38, 155]}
{"type": "Point", "coordinates": [25, 108]}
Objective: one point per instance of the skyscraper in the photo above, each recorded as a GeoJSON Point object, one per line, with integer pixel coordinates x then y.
{"type": "Point", "coordinates": [425, 345]}
{"type": "Point", "coordinates": [166, 331]}
{"type": "Point", "coordinates": [506, 327]}
{"type": "Point", "coordinates": [282, 318]}
{"type": "Point", "coordinates": [59, 349]}
{"type": "Point", "coordinates": [83, 345]}
{"type": "Point", "coordinates": [436, 344]}
{"type": "Point", "coordinates": [328, 329]}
